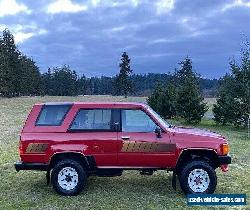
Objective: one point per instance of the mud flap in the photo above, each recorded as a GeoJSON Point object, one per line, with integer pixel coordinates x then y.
{"type": "Point", "coordinates": [174, 180]}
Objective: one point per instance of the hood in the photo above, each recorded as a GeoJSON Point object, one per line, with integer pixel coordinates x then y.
{"type": "Point", "coordinates": [197, 132]}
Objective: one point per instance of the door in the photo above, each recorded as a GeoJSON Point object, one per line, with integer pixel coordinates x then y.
{"type": "Point", "coordinates": [95, 128]}
{"type": "Point", "coordinates": [139, 146]}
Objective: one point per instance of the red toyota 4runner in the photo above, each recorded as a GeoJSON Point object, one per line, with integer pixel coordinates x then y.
{"type": "Point", "coordinates": [72, 141]}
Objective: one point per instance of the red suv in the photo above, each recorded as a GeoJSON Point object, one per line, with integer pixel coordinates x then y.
{"type": "Point", "coordinates": [72, 141]}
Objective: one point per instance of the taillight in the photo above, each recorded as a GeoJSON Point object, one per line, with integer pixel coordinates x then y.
{"type": "Point", "coordinates": [20, 147]}
{"type": "Point", "coordinates": [224, 149]}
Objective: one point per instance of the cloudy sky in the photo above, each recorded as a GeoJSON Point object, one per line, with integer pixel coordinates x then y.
{"type": "Point", "coordinates": [90, 35]}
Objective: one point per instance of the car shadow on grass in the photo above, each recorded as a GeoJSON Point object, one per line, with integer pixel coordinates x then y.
{"type": "Point", "coordinates": [130, 182]}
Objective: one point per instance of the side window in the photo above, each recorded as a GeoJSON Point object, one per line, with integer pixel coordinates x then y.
{"type": "Point", "coordinates": [137, 121]}
{"type": "Point", "coordinates": [94, 119]}
{"type": "Point", "coordinates": [52, 115]}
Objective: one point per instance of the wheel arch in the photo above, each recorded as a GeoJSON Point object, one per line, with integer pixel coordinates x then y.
{"type": "Point", "coordinates": [88, 162]}
{"type": "Point", "coordinates": [189, 154]}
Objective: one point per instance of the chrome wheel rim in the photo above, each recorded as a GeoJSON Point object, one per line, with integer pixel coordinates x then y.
{"type": "Point", "coordinates": [198, 180]}
{"type": "Point", "coordinates": [68, 178]}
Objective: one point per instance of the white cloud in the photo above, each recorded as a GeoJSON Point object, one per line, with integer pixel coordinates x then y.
{"type": "Point", "coordinates": [154, 55]}
{"type": "Point", "coordinates": [20, 37]}
{"type": "Point", "coordinates": [235, 3]}
{"type": "Point", "coordinates": [2, 27]}
{"type": "Point", "coordinates": [190, 23]}
{"type": "Point", "coordinates": [164, 6]}
{"type": "Point", "coordinates": [118, 29]}
{"type": "Point", "coordinates": [11, 7]}
{"type": "Point", "coordinates": [135, 2]}
{"type": "Point", "coordinates": [204, 33]}
{"type": "Point", "coordinates": [23, 32]}
{"type": "Point", "coordinates": [159, 41]}
{"type": "Point", "coordinates": [67, 6]}
{"type": "Point", "coordinates": [42, 32]}
{"type": "Point", "coordinates": [95, 2]}
{"type": "Point", "coordinates": [127, 31]}
{"type": "Point", "coordinates": [194, 25]}
{"type": "Point", "coordinates": [115, 3]}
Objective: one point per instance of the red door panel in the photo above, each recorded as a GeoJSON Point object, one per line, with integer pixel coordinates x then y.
{"type": "Point", "coordinates": [145, 150]}
{"type": "Point", "coordinates": [138, 144]}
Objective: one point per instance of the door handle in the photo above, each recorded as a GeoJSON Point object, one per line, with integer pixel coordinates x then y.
{"type": "Point", "coordinates": [125, 137]}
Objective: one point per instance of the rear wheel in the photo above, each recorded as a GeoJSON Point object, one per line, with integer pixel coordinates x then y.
{"type": "Point", "coordinates": [68, 177]}
{"type": "Point", "coordinates": [198, 177]}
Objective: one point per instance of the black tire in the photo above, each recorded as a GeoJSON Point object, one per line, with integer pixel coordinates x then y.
{"type": "Point", "coordinates": [197, 164]}
{"type": "Point", "coordinates": [64, 165]}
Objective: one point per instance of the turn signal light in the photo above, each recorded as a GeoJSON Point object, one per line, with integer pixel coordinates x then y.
{"type": "Point", "coordinates": [224, 149]}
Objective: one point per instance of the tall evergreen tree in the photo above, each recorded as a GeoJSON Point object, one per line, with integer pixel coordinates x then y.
{"type": "Point", "coordinates": [30, 77]}
{"type": "Point", "coordinates": [190, 105]}
{"type": "Point", "coordinates": [81, 85]}
{"type": "Point", "coordinates": [123, 83]}
{"type": "Point", "coordinates": [18, 74]}
{"type": "Point", "coordinates": [10, 73]}
{"type": "Point", "coordinates": [3, 70]}
{"type": "Point", "coordinates": [47, 83]}
{"type": "Point", "coordinates": [163, 100]}
{"type": "Point", "coordinates": [233, 104]}
{"type": "Point", "coordinates": [226, 110]}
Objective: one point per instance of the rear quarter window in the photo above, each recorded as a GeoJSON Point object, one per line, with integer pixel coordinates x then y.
{"type": "Point", "coordinates": [92, 119]}
{"type": "Point", "coordinates": [52, 115]}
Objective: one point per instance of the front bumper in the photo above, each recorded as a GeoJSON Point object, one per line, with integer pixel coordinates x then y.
{"type": "Point", "coordinates": [31, 166]}
{"type": "Point", "coordinates": [224, 159]}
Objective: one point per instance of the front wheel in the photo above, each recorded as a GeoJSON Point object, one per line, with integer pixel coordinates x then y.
{"type": "Point", "coordinates": [198, 177]}
{"type": "Point", "coordinates": [68, 177]}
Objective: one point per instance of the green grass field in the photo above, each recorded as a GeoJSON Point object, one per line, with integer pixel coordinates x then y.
{"type": "Point", "coordinates": [28, 189]}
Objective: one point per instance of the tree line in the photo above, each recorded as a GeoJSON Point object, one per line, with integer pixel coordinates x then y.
{"type": "Point", "coordinates": [20, 76]}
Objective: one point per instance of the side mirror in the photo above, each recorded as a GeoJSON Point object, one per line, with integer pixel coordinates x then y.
{"type": "Point", "coordinates": [158, 132]}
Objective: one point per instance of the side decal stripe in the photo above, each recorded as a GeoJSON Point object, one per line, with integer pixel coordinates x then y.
{"type": "Point", "coordinates": [132, 146]}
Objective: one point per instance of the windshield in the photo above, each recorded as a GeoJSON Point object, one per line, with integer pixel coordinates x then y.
{"type": "Point", "coordinates": [159, 118]}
